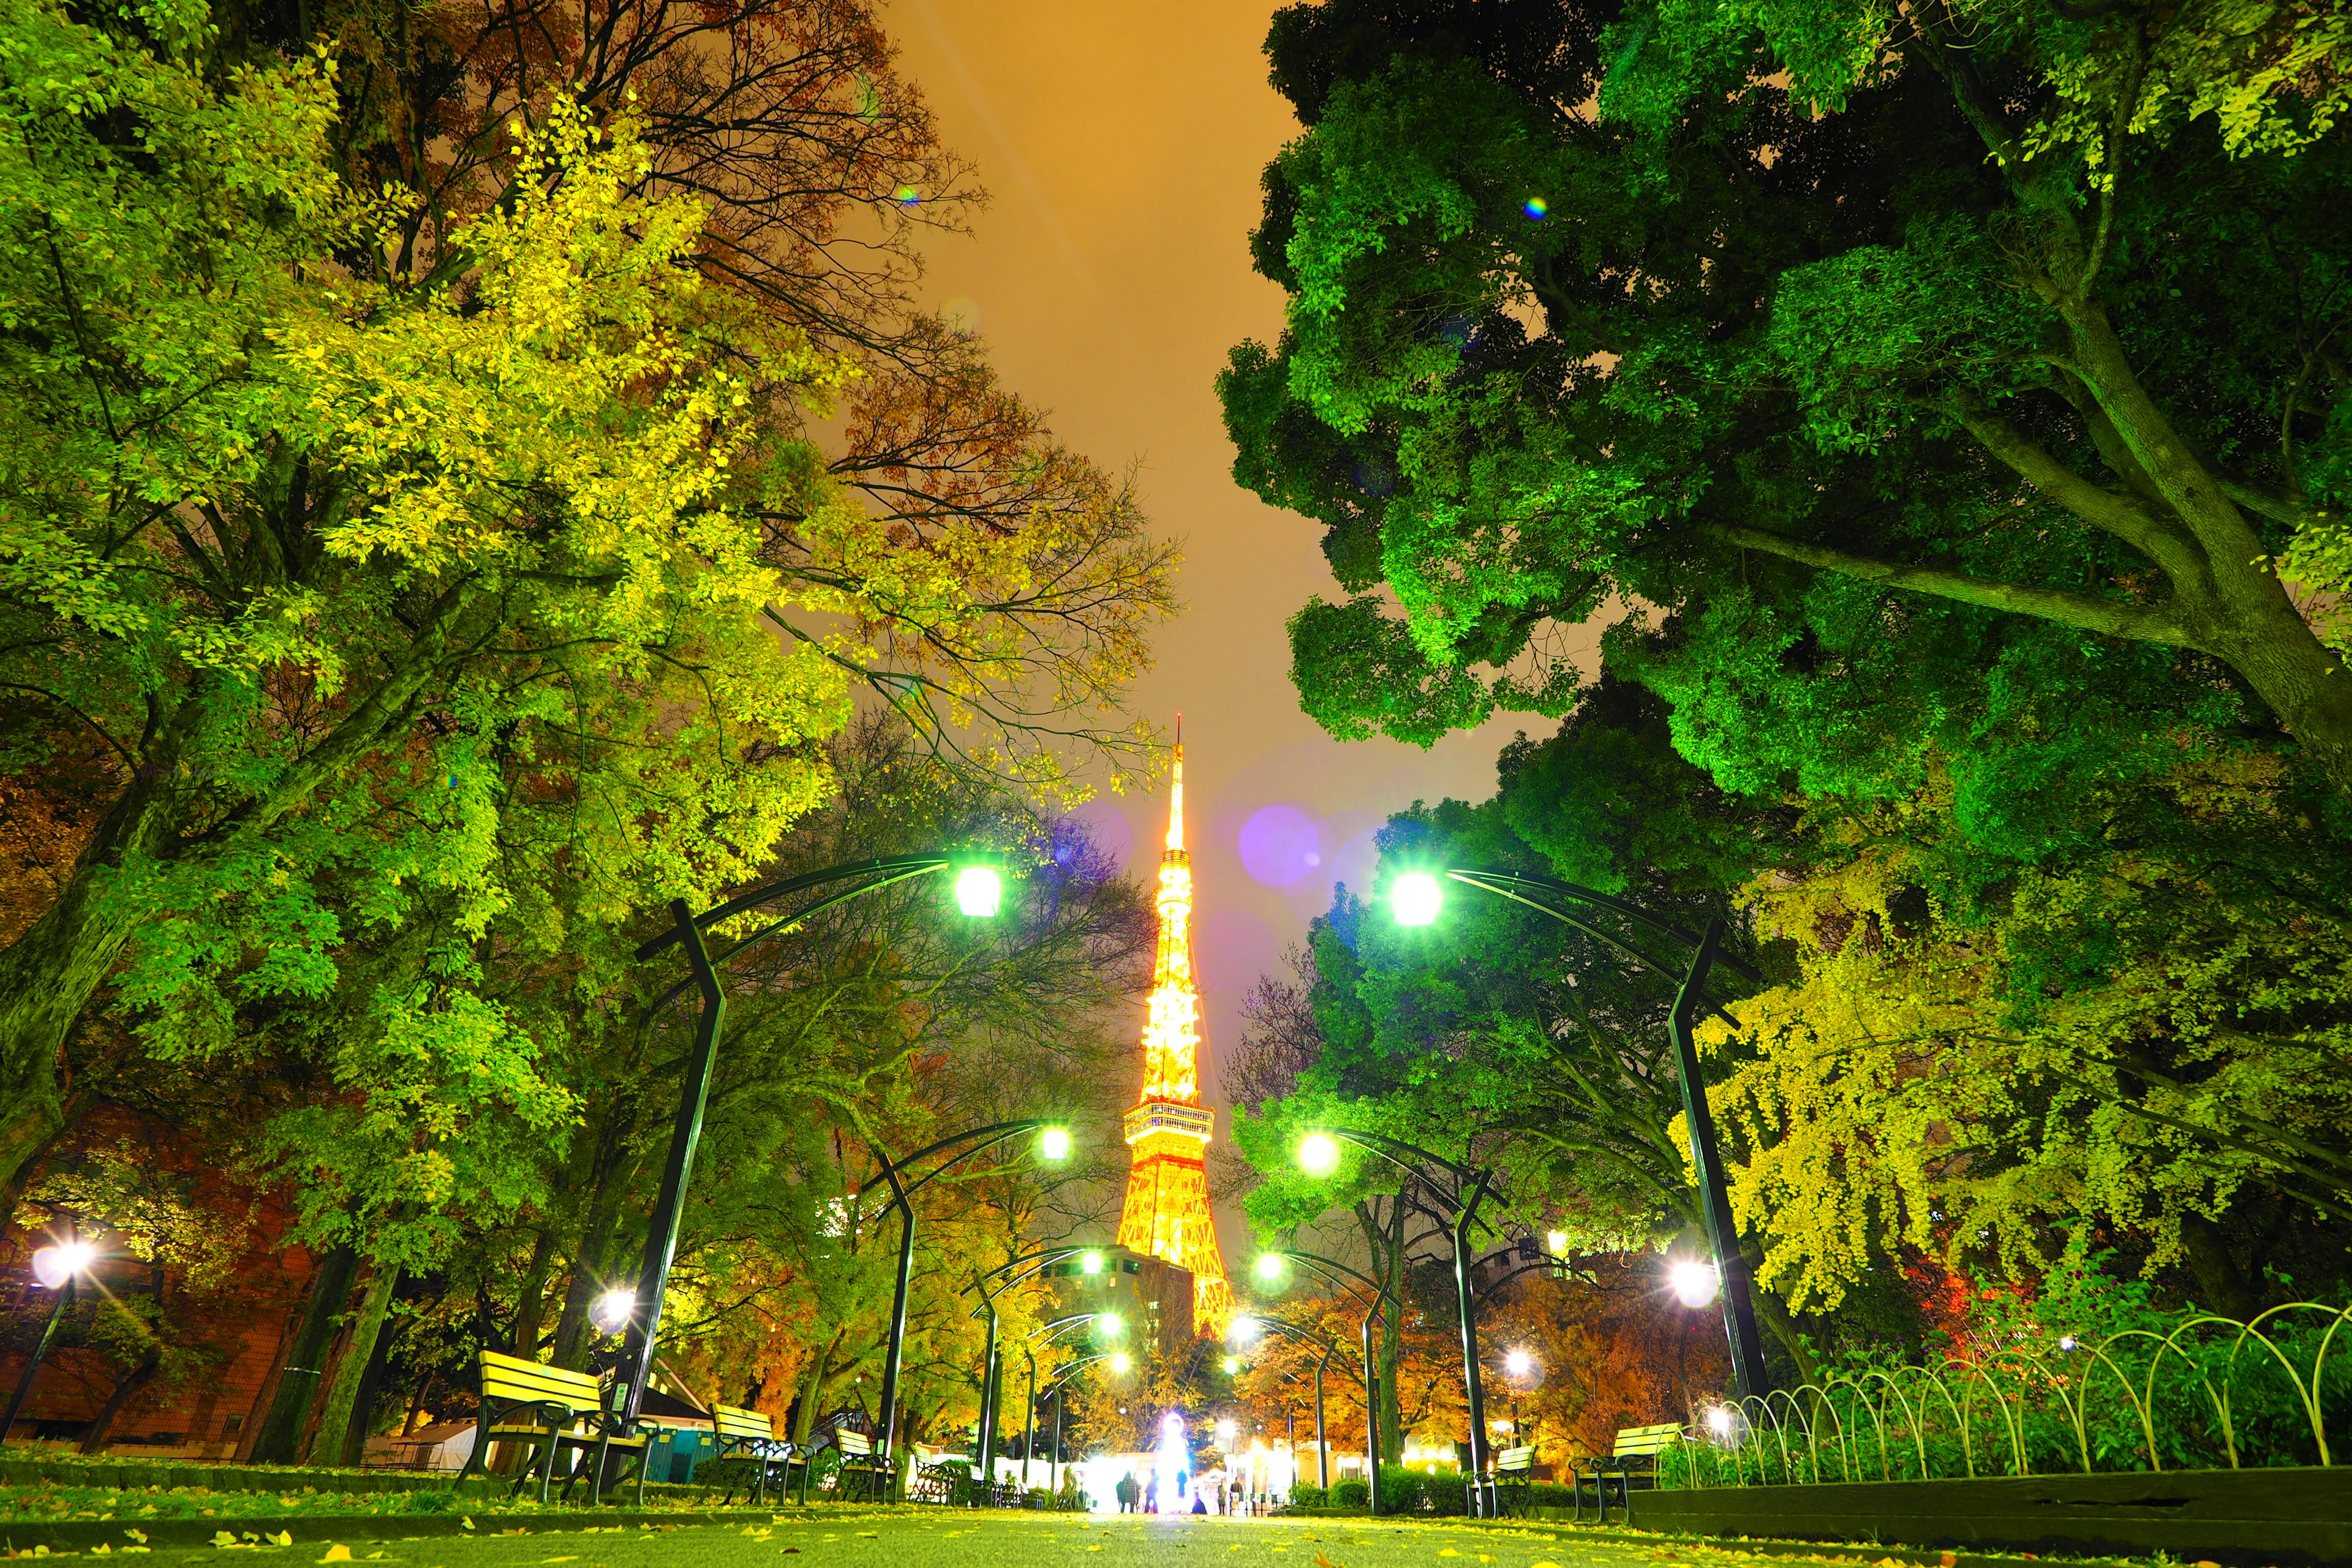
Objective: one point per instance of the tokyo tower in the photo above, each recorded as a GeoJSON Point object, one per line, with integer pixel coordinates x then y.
{"type": "Point", "coordinates": [1166, 1210]}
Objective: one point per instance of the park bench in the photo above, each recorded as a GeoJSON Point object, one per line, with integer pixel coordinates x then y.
{"type": "Point", "coordinates": [1514, 1468]}
{"type": "Point", "coordinates": [862, 1469]}
{"type": "Point", "coordinates": [748, 1445]}
{"type": "Point", "coordinates": [555, 1402]}
{"type": "Point", "coordinates": [1634, 1454]}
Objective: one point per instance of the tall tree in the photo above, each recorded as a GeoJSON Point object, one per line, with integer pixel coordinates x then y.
{"type": "Point", "coordinates": [2017, 320]}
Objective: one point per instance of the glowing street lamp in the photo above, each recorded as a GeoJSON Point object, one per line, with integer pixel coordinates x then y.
{"type": "Point", "coordinates": [1232, 1366]}
{"type": "Point", "coordinates": [1242, 1329]}
{"type": "Point", "coordinates": [1111, 1325]}
{"type": "Point", "coordinates": [1519, 1363]}
{"type": "Point", "coordinates": [1090, 1263]}
{"type": "Point", "coordinates": [980, 891]}
{"type": "Point", "coordinates": [1318, 1153]}
{"type": "Point", "coordinates": [1693, 1280]}
{"type": "Point", "coordinates": [1415, 898]}
{"type": "Point", "coordinates": [1053, 1145]}
{"type": "Point", "coordinates": [1121, 1362]}
{"type": "Point", "coordinates": [978, 883]}
{"type": "Point", "coordinates": [1270, 1268]}
{"type": "Point", "coordinates": [57, 1268]}
{"type": "Point", "coordinates": [612, 1311]}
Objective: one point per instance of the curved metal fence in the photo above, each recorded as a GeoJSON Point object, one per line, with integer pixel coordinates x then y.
{"type": "Point", "coordinates": [2212, 1393]}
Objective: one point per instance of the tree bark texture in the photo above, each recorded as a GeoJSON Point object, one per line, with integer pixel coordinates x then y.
{"type": "Point", "coordinates": [298, 1379]}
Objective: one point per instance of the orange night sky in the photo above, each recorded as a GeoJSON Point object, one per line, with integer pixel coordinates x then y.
{"type": "Point", "coordinates": [1121, 143]}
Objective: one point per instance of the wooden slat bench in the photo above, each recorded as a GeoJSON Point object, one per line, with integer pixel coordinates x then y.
{"type": "Point", "coordinates": [555, 1400]}
{"type": "Point", "coordinates": [1633, 1455]}
{"type": "Point", "coordinates": [861, 1467]}
{"type": "Point", "coordinates": [748, 1444]}
{"type": "Point", "coordinates": [1514, 1468]}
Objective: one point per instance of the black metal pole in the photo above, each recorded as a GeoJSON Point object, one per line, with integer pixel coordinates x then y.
{"type": "Point", "coordinates": [1061, 1396]}
{"type": "Point", "coordinates": [1322, 1449]}
{"type": "Point", "coordinates": [894, 1356]}
{"type": "Point", "coordinates": [33, 1367]}
{"type": "Point", "coordinates": [1372, 1417]}
{"type": "Point", "coordinates": [988, 1376]}
{"type": "Point", "coordinates": [1029, 1428]}
{"type": "Point", "coordinates": [1468, 1308]}
{"type": "Point", "coordinates": [669, 1207]}
{"type": "Point", "coordinates": [1747, 1374]}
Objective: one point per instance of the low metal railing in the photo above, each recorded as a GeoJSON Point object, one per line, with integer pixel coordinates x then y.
{"type": "Point", "coordinates": [2211, 1392]}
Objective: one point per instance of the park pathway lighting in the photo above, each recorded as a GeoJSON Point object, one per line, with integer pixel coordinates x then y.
{"type": "Point", "coordinates": [1369, 1294]}
{"type": "Point", "coordinates": [1318, 1153]}
{"type": "Point", "coordinates": [1011, 1272]}
{"type": "Point", "coordinates": [694, 1094]}
{"type": "Point", "coordinates": [1052, 1146]}
{"type": "Point", "coordinates": [1122, 1363]}
{"type": "Point", "coordinates": [1693, 1280]}
{"type": "Point", "coordinates": [1111, 1325]}
{"type": "Point", "coordinates": [1260, 1326]}
{"type": "Point", "coordinates": [60, 1267]}
{"type": "Point", "coordinates": [1461, 1190]}
{"type": "Point", "coordinates": [1232, 1366]}
{"type": "Point", "coordinates": [1416, 899]}
{"type": "Point", "coordinates": [1519, 1363]}
{"type": "Point", "coordinates": [612, 1311]}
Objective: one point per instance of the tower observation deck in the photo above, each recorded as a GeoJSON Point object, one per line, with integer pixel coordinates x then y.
{"type": "Point", "coordinates": [1167, 1209]}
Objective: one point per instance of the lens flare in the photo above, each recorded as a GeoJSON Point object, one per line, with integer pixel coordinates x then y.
{"type": "Point", "coordinates": [614, 1308]}
{"type": "Point", "coordinates": [1537, 207]}
{"type": "Point", "coordinates": [1693, 1280]}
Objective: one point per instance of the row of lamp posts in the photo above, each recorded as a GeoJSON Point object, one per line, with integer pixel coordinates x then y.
{"type": "Point", "coordinates": [1416, 899]}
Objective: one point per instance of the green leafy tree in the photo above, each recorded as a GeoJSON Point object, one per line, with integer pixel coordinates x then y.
{"type": "Point", "coordinates": [1875, 339]}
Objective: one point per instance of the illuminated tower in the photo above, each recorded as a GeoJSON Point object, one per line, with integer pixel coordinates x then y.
{"type": "Point", "coordinates": [1166, 1211]}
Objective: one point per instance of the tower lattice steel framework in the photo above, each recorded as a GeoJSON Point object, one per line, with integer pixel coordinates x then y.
{"type": "Point", "coordinates": [1166, 1210]}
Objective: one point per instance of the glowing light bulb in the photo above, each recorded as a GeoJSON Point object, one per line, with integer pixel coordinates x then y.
{"type": "Point", "coordinates": [979, 890]}
{"type": "Point", "coordinates": [1720, 1422]}
{"type": "Point", "coordinates": [53, 1266]}
{"type": "Point", "coordinates": [1319, 1154]}
{"type": "Point", "coordinates": [1242, 1330]}
{"type": "Point", "coordinates": [1693, 1280]}
{"type": "Point", "coordinates": [614, 1308]}
{"type": "Point", "coordinates": [1054, 1144]}
{"type": "Point", "coordinates": [1233, 1365]}
{"type": "Point", "coordinates": [1090, 1263]}
{"type": "Point", "coordinates": [1270, 1266]}
{"type": "Point", "coordinates": [1112, 1325]}
{"type": "Point", "coordinates": [1416, 899]}
{"type": "Point", "coordinates": [1121, 1361]}
{"type": "Point", "coordinates": [1519, 1363]}
{"type": "Point", "coordinates": [1556, 1243]}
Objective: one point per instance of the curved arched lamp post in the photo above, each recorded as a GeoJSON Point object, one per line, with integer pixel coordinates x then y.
{"type": "Point", "coordinates": [1052, 1146]}
{"type": "Point", "coordinates": [58, 1267]}
{"type": "Point", "coordinates": [1058, 1392]}
{"type": "Point", "coordinates": [1241, 1332]}
{"type": "Point", "coordinates": [1269, 1270]}
{"type": "Point", "coordinates": [1027, 1264]}
{"type": "Point", "coordinates": [979, 893]}
{"type": "Point", "coordinates": [1319, 1154]}
{"type": "Point", "coordinates": [1416, 897]}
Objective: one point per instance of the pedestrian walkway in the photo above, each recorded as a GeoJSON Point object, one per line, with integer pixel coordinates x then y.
{"type": "Point", "coordinates": [931, 1538]}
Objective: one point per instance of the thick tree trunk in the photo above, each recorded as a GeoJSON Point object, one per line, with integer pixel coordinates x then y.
{"type": "Point", "coordinates": [361, 1424]}
{"type": "Point", "coordinates": [607, 1180]}
{"type": "Point", "coordinates": [530, 1301]}
{"type": "Point", "coordinates": [2220, 1283]}
{"type": "Point", "coordinates": [351, 1367]}
{"type": "Point", "coordinates": [813, 1391]}
{"type": "Point", "coordinates": [297, 1383]}
{"type": "Point", "coordinates": [48, 975]}
{"type": "Point", "coordinates": [102, 1425]}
